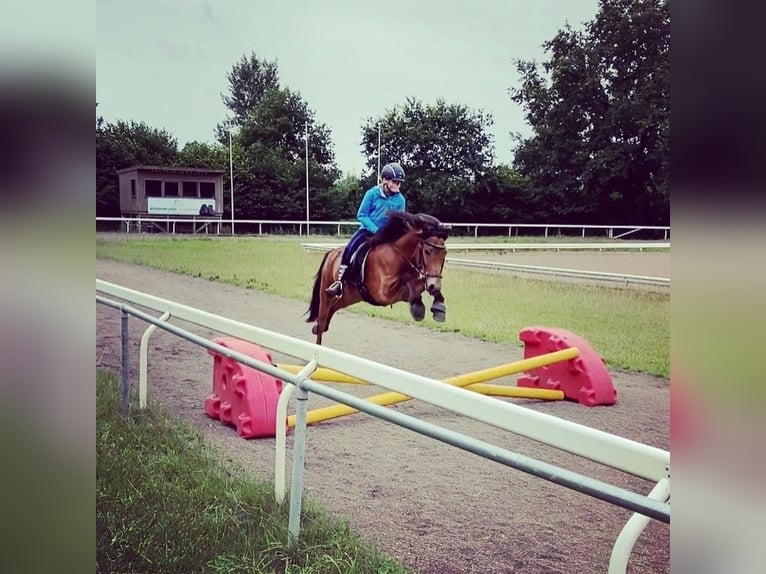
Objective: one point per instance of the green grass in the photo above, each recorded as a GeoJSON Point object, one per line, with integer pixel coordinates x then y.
{"type": "Point", "coordinates": [630, 328]}
{"type": "Point", "coordinates": [164, 504]}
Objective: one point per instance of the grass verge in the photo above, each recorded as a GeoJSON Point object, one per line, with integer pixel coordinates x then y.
{"type": "Point", "coordinates": [629, 327]}
{"type": "Point", "coordinates": [164, 504]}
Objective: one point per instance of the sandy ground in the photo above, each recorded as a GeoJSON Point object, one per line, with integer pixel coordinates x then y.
{"type": "Point", "coordinates": [434, 507]}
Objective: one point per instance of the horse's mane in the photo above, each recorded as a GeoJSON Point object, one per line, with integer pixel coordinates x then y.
{"type": "Point", "coordinates": [400, 222]}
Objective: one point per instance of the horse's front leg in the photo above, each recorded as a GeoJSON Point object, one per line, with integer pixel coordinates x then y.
{"type": "Point", "coordinates": [417, 308]}
{"type": "Point", "coordinates": [438, 308]}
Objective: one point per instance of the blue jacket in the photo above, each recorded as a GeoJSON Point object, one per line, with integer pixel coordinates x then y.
{"type": "Point", "coordinates": [373, 211]}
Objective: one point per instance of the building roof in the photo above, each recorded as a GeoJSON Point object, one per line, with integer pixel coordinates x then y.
{"type": "Point", "coordinates": [173, 169]}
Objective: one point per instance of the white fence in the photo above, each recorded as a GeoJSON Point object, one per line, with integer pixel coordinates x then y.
{"type": "Point", "coordinates": [617, 452]}
{"type": "Point", "coordinates": [214, 225]}
{"type": "Point", "coordinates": [556, 272]}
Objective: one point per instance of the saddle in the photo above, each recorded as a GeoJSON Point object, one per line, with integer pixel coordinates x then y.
{"type": "Point", "coordinates": [355, 272]}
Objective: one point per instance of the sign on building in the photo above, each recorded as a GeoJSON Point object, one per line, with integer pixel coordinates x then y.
{"type": "Point", "coordinates": [180, 206]}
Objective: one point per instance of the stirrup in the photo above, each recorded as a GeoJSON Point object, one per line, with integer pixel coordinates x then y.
{"type": "Point", "coordinates": [336, 289]}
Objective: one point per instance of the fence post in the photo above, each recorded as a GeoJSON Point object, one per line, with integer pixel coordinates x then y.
{"type": "Point", "coordinates": [299, 452]}
{"type": "Point", "coordinates": [125, 372]}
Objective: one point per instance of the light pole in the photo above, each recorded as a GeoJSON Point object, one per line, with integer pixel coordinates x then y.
{"type": "Point", "coordinates": [307, 177]}
{"type": "Point", "coordinates": [378, 152]}
{"type": "Point", "coordinates": [231, 183]}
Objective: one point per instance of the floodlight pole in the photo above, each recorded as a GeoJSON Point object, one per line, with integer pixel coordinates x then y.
{"type": "Point", "coordinates": [378, 152]}
{"type": "Point", "coordinates": [307, 177]}
{"type": "Point", "coordinates": [231, 183]}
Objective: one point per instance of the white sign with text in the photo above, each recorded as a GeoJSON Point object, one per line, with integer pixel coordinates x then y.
{"type": "Point", "coordinates": [180, 206]}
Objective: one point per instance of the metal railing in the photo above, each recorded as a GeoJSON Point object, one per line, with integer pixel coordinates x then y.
{"type": "Point", "coordinates": [636, 458]}
{"type": "Point", "coordinates": [301, 227]}
{"type": "Point", "coordinates": [622, 278]}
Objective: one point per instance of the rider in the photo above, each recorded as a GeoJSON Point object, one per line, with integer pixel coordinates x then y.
{"type": "Point", "coordinates": [373, 213]}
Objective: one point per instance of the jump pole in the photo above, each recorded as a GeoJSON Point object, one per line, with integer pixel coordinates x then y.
{"type": "Point", "coordinates": [390, 398]}
{"type": "Point", "coordinates": [331, 376]}
{"type": "Point", "coordinates": [324, 374]}
{"type": "Point", "coordinates": [516, 392]}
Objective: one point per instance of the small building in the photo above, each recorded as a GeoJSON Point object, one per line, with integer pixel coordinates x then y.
{"type": "Point", "coordinates": [168, 199]}
{"type": "Point", "coordinates": [173, 192]}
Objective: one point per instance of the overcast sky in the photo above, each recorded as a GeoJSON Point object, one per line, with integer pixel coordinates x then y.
{"type": "Point", "coordinates": [164, 62]}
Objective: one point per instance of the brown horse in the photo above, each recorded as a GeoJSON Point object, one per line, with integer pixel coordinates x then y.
{"type": "Point", "coordinates": [405, 258]}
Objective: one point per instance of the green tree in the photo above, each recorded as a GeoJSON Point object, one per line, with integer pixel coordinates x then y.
{"type": "Point", "coordinates": [503, 195]}
{"type": "Point", "coordinates": [201, 154]}
{"type": "Point", "coordinates": [250, 79]}
{"type": "Point", "coordinates": [270, 136]}
{"type": "Point", "coordinates": [125, 144]}
{"type": "Point", "coordinates": [339, 202]}
{"type": "Point", "coordinates": [600, 114]}
{"type": "Point", "coordinates": [444, 149]}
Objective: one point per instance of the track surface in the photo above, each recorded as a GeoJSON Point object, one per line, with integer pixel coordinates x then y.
{"type": "Point", "coordinates": [436, 508]}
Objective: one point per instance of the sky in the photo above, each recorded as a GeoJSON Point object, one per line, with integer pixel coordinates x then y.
{"type": "Point", "coordinates": [165, 62]}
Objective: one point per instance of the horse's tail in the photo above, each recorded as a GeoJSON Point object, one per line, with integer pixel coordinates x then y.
{"type": "Point", "coordinates": [313, 309]}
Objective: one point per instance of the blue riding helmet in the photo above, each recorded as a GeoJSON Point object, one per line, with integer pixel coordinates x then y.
{"type": "Point", "coordinates": [392, 171]}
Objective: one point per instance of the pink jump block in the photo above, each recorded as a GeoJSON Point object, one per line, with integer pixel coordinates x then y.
{"type": "Point", "coordinates": [584, 379]}
{"type": "Point", "coordinates": [242, 396]}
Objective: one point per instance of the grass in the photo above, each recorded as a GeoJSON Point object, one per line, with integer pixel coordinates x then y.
{"type": "Point", "coordinates": [164, 504]}
{"type": "Point", "coordinates": [630, 328]}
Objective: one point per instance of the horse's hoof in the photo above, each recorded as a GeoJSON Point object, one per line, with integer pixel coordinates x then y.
{"type": "Point", "coordinates": [314, 330]}
{"type": "Point", "coordinates": [439, 311]}
{"type": "Point", "coordinates": [418, 311]}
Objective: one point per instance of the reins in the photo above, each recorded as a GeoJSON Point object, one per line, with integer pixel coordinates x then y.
{"type": "Point", "coordinates": [419, 269]}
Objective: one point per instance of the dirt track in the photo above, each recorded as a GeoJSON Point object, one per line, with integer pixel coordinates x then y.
{"type": "Point", "coordinates": [436, 508]}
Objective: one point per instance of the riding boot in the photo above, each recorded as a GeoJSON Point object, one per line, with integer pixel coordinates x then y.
{"type": "Point", "coordinates": [336, 289]}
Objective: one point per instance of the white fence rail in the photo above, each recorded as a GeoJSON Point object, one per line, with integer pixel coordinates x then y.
{"type": "Point", "coordinates": [622, 278]}
{"type": "Point", "coordinates": [206, 224]}
{"type": "Point", "coordinates": [513, 247]}
{"type": "Point", "coordinates": [629, 456]}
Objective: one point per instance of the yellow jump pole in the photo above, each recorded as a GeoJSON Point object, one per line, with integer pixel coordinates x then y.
{"type": "Point", "coordinates": [517, 392]}
{"type": "Point", "coordinates": [329, 375]}
{"type": "Point", "coordinates": [390, 398]}
{"type": "Point", "coordinates": [323, 374]}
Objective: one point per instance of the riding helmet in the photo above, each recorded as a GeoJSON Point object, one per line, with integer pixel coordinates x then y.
{"type": "Point", "coordinates": [392, 171]}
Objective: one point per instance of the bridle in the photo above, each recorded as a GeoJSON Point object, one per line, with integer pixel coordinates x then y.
{"type": "Point", "coordinates": [419, 265]}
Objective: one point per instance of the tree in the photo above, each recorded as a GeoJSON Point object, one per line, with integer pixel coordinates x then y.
{"type": "Point", "coordinates": [339, 202]}
{"type": "Point", "coordinates": [125, 144]}
{"type": "Point", "coordinates": [444, 149]}
{"type": "Point", "coordinates": [600, 114]}
{"type": "Point", "coordinates": [502, 194]}
{"type": "Point", "coordinates": [201, 154]}
{"type": "Point", "coordinates": [250, 79]}
{"type": "Point", "coordinates": [270, 134]}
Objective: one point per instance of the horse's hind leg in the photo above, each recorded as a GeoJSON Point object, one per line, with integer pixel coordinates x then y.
{"type": "Point", "coordinates": [326, 302]}
{"type": "Point", "coordinates": [315, 330]}
{"type": "Point", "coordinates": [323, 319]}
{"type": "Point", "coordinates": [326, 312]}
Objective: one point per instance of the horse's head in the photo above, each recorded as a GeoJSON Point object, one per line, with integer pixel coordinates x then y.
{"type": "Point", "coordinates": [419, 240]}
{"type": "Point", "coordinates": [431, 251]}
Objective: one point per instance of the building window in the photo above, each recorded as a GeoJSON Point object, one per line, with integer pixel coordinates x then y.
{"type": "Point", "coordinates": [153, 188]}
{"type": "Point", "coordinates": [171, 189]}
{"type": "Point", "coordinates": [189, 189]}
{"type": "Point", "coordinates": [207, 189]}
{"type": "Point", "coordinates": [132, 189]}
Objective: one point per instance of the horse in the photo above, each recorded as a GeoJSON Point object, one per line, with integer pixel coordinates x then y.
{"type": "Point", "coordinates": [398, 263]}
